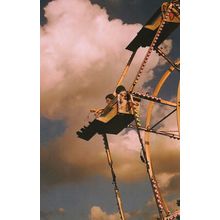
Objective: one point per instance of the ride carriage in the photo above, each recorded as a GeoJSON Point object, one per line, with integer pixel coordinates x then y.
{"type": "Point", "coordinates": [114, 118]}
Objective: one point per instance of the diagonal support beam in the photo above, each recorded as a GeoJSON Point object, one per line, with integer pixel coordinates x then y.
{"type": "Point", "coordinates": [161, 53]}
{"type": "Point", "coordinates": [162, 119]}
{"type": "Point", "coordinates": [114, 182]}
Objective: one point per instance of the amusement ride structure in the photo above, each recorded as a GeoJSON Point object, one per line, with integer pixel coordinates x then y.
{"type": "Point", "coordinates": [124, 108]}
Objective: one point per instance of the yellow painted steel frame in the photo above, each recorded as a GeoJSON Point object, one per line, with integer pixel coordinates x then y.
{"type": "Point", "coordinates": [148, 120]}
{"type": "Point", "coordinates": [125, 71]}
{"type": "Point", "coordinates": [178, 108]}
{"type": "Point", "coordinates": [116, 189]}
{"type": "Point", "coordinates": [151, 47]}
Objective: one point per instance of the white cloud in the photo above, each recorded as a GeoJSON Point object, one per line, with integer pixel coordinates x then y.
{"type": "Point", "coordinates": [82, 56]}
{"type": "Point", "coordinates": [96, 213]}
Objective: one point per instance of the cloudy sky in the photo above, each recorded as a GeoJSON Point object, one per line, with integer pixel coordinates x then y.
{"type": "Point", "coordinates": [82, 54]}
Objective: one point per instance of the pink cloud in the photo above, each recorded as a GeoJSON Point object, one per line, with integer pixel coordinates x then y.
{"type": "Point", "coordinates": [82, 56]}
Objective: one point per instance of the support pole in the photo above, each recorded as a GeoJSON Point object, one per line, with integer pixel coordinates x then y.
{"type": "Point", "coordinates": [161, 205]}
{"type": "Point", "coordinates": [162, 119]}
{"type": "Point", "coordinates": [125, 71]}
{"type": "Point", "coordinates": [161, 53]}
{"type": "Point", "coordinates": [114, 182]}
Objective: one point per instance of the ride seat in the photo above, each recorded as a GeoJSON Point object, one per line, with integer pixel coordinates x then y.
{"type": "Point", "coordinates": [115, 117]}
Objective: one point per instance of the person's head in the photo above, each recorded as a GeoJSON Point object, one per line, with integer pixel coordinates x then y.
{"type": "Point", "coordinates": [120, 89]}
{"type": "Point", "coordinates": [109, 98]}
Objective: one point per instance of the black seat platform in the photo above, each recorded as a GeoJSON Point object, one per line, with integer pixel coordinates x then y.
{"type": "Point", "coordinates": [114, 118]}
{"type": "Point", "coordinates": [114, 126]}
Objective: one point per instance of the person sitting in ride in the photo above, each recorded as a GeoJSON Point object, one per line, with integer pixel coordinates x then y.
{"type": "Point", "coordinates": [108, 99]}
{"type": "Point", "coordinates": [123, 98]}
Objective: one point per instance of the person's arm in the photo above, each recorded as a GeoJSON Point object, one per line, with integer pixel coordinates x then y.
{"type": "Point", "coordinates": [97, 112]}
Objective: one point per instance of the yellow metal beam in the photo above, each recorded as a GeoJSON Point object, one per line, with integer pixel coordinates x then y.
{"type": "Point", "coordinates": [148, 120]}
{"type": "Point", "coordinates": [165, 102]}
{"type": "Point", "coordinates": [116, 189]}
{"type": "Point", "coordinates": [125, 71]}
{"type": "Point", "coordinates": [178, 108]}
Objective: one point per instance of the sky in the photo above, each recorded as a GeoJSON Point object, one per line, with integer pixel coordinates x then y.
{"type": "Point", "coordinates": [82, 54]}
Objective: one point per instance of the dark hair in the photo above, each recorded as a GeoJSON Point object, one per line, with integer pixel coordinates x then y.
{"type": "Point", "coordinates": [120, 89]}
{"type": "Point", "coordinates": [110, 96]}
